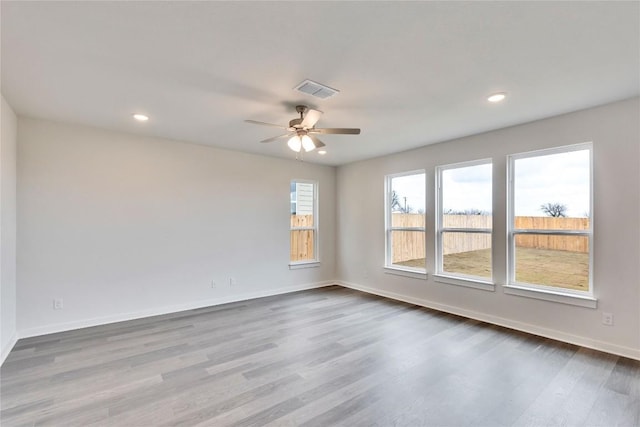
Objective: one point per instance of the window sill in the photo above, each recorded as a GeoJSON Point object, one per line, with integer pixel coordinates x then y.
{"type": "Point", "coordinates": [551, 295]}
{"type": "Point", "coordinates": [466, 282]}
{"type": "Point", "coordinates": [414, 274]}
{"type": "Point", "coordinates": [301, 265]}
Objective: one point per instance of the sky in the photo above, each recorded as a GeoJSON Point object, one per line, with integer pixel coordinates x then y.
{"type": "Point", "coordinates": [556, 178]}
{"type": "Point", "coordinates": [467, 188]}
{"type": "Point", "coordinates": [412, 187]}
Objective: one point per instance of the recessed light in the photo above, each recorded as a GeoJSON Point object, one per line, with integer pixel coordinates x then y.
{"type": "Point", "coordinates": [322, 152]}
{"type": "Point", "coordinates": [497, 97]}
{"type": "Point", "coordinates": [141, 117]}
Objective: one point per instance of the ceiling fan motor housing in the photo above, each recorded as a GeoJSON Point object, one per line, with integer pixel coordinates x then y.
{"type": "Point", "coordinates": [295, 123]}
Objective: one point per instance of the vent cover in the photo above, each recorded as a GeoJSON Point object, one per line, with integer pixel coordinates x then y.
{"type": "Point", "coordinates": [315, 89]}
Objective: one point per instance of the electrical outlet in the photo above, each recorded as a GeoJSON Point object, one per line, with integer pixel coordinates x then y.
{"type": "Point", "coordinates": [57, 304]}
{"type": "Point", "coordinates": [232, 281]}
{"type": "Point", "coordinates": [607, 319]}
{"type": "Point", "coordinates": [213, 284]}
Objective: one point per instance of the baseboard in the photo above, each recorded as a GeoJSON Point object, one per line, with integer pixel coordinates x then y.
{"type": "Point", "coordinates": [496, 320]}
{"type": "Point", "coordinates": [121, 317]}
{"type": "Point", "coordinates": [8, 347]}
{"type": "Point", "coordinates": [501, 321]}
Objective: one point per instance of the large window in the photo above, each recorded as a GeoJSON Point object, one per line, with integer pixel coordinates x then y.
{"type": "Point", "coordinates": [464, 220]}
{"type": "Point", "coordinates": [304, 222]}
{"type": "Point", "coordinates": [550, 226]}
{"type": "Point", "coordinates": [405, 221]}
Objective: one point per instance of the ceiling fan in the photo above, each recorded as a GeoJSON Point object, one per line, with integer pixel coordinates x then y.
{"type": "Point", "coordinates": [301, 130]}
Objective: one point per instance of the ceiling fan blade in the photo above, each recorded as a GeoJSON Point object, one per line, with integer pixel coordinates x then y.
{"type": "Point", "coordinates": [311, 118]}
{"type": "Point", "coordinates": [275, 137]}
{"type": "Point", "coordinates": [336, 131]}
{"type": "Point", "coordinates": [265, 124]}
{"type": "Point", "coordinates": [316, 142]}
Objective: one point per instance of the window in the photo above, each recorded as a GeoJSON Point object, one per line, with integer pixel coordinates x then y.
{"type": "Point", "coordinates": [550, 226]}
{"type": "Point", "coordinates": [464, 221]}
{"type": "Point", "coordinates": [405, 222]}
{"type": "Point", "coordinates": [304, 222]}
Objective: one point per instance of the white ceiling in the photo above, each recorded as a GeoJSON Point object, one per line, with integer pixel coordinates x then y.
{"type": "Point", "coordinates": [409, 73]}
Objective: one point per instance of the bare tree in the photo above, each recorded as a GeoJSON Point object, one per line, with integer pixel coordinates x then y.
{"type": "Point", "coordinates": [395, 201]}
{"type": "Point", "coordinates": [555, 210]}
{"type": "Point", "coordinates": [397, 205]}
{"type": "Point", "coordinates": [471, 211]}
{"type": "Point", "coordinates": [475, 211]}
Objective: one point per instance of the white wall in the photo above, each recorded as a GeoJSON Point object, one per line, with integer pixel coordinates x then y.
{"type": "Point", "coordinates": [615, 134]}
{"type": "Point", "coordinates": [121, 226]}
{"type": "Point", "coordinates": [8, 138]}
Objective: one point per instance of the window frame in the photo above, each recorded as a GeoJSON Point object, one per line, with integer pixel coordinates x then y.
{"type": "Point", "coordinates": [453, 278]}
{"type": "Point", "coordinates": [539, 291]}
{"type": "Point", "coordinates": [307, 263]}
{"type": "Point", "coordinates": [390, 268]}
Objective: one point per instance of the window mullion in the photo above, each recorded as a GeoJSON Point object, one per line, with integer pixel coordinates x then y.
{"type": "Point", "coordinates": [553, 232]}
{"type": "Point", "coordinates": [407, 229]}
{"type": "Point", "coordinates": [467, 230]}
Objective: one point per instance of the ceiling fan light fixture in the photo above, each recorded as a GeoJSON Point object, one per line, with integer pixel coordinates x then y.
{"type": "Point", "coordinates": [295, 144]}
{"type": "Point", "coordinates": [307, 143]}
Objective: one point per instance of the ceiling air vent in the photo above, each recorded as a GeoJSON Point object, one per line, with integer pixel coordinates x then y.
{"type": "Point", "coordinates": [316, 89]}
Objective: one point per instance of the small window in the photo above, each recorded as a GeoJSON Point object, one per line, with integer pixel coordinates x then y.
{"type": "Point", "coordinates": [405, 222]}
{"type": "Point", "coordinates": [304, 222]}
{"type": "Point", "coordinates": [550, 226]}
{"type": "Point", "coordinates": [464, 220]}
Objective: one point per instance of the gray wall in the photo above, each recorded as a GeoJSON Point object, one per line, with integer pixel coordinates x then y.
{"type": "Point", "coordinates": [122, 226]}
{"type": "Point", "coordinates": [614, 131]}
{"type": "Point", "coordinates": [7, 229]}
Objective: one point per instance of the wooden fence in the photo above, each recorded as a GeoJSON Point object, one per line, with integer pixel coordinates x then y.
{"type": "Point", "coordinates": [409, 245]}
{"type": "Point", "coordinates": [301, 247]}
{"type": "Point", "coordinates": [559, 243]}
{"type": "Point", "coordinates": [453, 243]}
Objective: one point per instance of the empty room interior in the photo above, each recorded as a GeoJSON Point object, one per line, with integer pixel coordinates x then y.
{"type": "Point", "coordinates": [320, 213]}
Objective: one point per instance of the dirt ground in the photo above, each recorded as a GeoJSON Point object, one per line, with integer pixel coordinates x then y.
{"type": "Point", "coordinates": [569, 270]}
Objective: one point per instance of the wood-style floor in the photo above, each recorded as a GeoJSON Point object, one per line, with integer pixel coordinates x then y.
{"type": "Point", "coordinates": [324, 357]}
